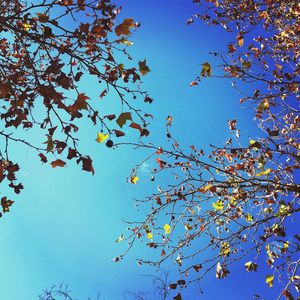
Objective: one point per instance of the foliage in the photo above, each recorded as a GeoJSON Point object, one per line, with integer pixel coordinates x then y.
{"type": "Point", "coordinates": [237, 203]}
{"type": "Point", "coordinates": [47, 48]}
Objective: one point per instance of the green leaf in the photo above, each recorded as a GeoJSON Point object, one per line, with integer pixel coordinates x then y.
{"type": "Point", "coordinates": [123, 117]}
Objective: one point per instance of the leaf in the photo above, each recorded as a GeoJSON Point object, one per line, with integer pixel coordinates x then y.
{"type": "Point", "coordinates": [58, 163]}
{"type": "Point", "coordinates": [219, 205]}
{"type": "Point", "coordinates": [178, 260]}
{"type": "Point", "coordinates": [167, 228]}
{"type": "Point", "coordinates": [225, 249]}
{"type": "Point", "coordinates": [263, 173]}
{"type": "Point", "coordinates": [5, 203]}
{"type": "Point", "coordinates": [124, 28]}
{"type": "Point", "coordinates": [26, 26]}
{"type": "Point", "coordinates": [269, 280]}
{"type": "Point", "coordinates": [134, 179]}
{"type": "Point", "coordinates": [4, 90]}
{"type": "Point", "coordinates": [169, 120]}
{"type": "Point", "coordinates": [250, 266]}
{"type": "Point", "coordinates": [149, 236]}
{"type": "Point", "coordinates": [177, 297]}
{"type": "Point", "coordinates": [221, 271]}
{"type": "Point", "coordinates": [101, 137]}
{"type": "Point", "coordinates": [119, 133]}
{"type": "Point", "coordinates": [143, 68]}
{"type": "Point", "coordinates": [248, 218]}
{"type": "Point", "coordinates": [206, 70]}
{"type": "Point", "coordinates": [240, 40]}
{"type": "Point", "coordinates": [43, 157]}
{"type": "Point", "coordinates": [50, 145]}
{"type": "Point", "coordinates": [43, 18]}
{"type": "Point", "coordinates": [123, 117]}
{"type": "Point", "coordinates": [120, 238]}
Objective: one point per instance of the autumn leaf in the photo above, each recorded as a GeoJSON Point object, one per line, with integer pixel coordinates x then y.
{"type": "Point", "coordinates": [167, 228]}
{"type": "Point", "coordinates": [58, 163]}
{"type": "Point", "coordinates": [250, 266]}
{"type": "Point", "coordinates": [6, 203]}
{"type": "Point", "coordinates": [120, 238]}
{"type": "Point", "coordinates": [26, 26]}
{"type": "Point", "coordinates": [169, 120]}
{"type": "Point", "coordinates": [269, 280]}
{"type": "Point", "coordinates": [177, 297]}
{"type": "Point", "coordinates": [178, 260]}
{"type": "Point", "coordinates": [101, 137]}
{"type": "Point", "coordinates": [123, 117]}
{"type": "Point", "coordinates": [249, 218]}
{"type": "Point", "coordinates": [124, 28]}
{"type": "Point", "coordinates": [134, 179]}
{"type": "Point", "coordinates": [50, 145]}
{"type": "Point", "coordinates": [149, 236]}
{"type": "Point", "coordinates": [143, 68]}
{"type": "Point", "coordinates": [240, 40]}
{"type": "Point", "coordinates": [263, 173]}
{"type": "Point", "coordinates": [225, 249]}
{"type": "Point", "coordinates": [206, 70]}
{"type": "Point", "coordinates": [219, 205]}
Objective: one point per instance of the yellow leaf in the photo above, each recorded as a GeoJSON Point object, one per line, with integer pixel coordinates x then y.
{"type": "Point", "coordinates": [167, 228]}
{"type": "Point", "coordinates": [219, 205]}
{"type": "Point", "coordinates": [269, 280]}
{"type": "Point", "coordinates": [101, 137]}
{"type": "Point", "coordinates": [26, 26]}
{"type": "Point", "coordinates": [150, 235]}
{"type": "Point", "coordinates": [206, 188]}
{"type": "Point", "coordinates": [249, 218]}
{"type": "Point", "coordinates": [263, 173]}
{"type": "Point", "coordinates": [225, 249]}
{"type": "Point", "coordinates": [134, 179]}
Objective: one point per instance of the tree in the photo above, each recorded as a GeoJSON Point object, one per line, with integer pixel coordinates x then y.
{"type": "Point", "coordinates": [238, 203]}
{"type": "Point", "coordinates": [46, 49]}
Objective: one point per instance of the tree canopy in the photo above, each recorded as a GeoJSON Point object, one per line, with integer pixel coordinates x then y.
{"type": "Point", "coordinates": [238, 202]}
{"type": "Point", "coordinates": [46, 49]}
{"type": "Point", "coordinates": [235, 204]}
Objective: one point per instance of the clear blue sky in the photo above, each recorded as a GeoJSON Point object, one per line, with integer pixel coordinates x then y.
{"type": "Point", "coordinates": [64, 225]}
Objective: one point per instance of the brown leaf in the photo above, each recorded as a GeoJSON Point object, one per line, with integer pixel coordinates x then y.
{"type": "Point", "coordinates": [124, 28]}
{"type": "Point", "coordinates": [58, 163]}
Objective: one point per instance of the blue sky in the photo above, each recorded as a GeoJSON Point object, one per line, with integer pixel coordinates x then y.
{"type": "Point", "coordinates": [63, 226]}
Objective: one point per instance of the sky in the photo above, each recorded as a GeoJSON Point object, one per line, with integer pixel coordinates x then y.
{"type": "Point", "coordinates": [63, 226]}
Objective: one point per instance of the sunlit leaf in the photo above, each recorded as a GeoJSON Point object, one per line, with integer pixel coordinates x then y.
{"type": "Point", "coordinates": [263, 173]}
{"type": "Point", "coordinates": [101, 137]}
{"type": "Point", "coordinates": [269, 280]}
{"type": "Point", "coordinates": [134, 179]}
{"type": "Point", "coordinates": [149, 235]}
{"type": "Point", "coordinates": [120, 238]}
{"type": "Point", "coordinates": [167, 228]}
{"type": "Point", "coordinates": [219, 205]}
{"type": "Point", "coordinates": [206, 70]}
{"type": "Point", "coordinates": [250, 266]}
